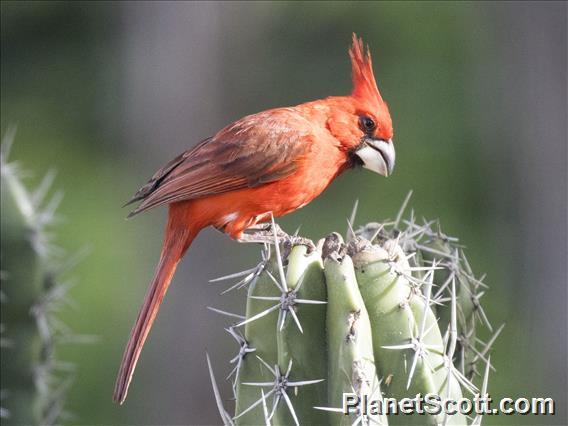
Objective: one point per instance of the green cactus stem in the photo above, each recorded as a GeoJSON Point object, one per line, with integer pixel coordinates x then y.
{"type": "Point", "coordinates": [32, 392]}
{"type": "Point", "coordinates": [351, 366]}
{"type": "Point", "coordinates": [260, 341]}
{"type": "Point", "coordinates": [301, 343]}
{"type": "Point", "coordinates": [408, 345]}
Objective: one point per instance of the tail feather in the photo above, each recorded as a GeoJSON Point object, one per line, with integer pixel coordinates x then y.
{"type": "Point", "coordinates": [175, 244]}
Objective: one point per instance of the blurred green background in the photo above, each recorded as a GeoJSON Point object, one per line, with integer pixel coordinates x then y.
{"type": "Point", "coordinates": [105, 93]}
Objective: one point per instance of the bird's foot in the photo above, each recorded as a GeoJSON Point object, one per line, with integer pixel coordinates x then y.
{"type": "Point", "coordinates": [263, 233]}
{"type": "Point", "coordinates": [266, 233]}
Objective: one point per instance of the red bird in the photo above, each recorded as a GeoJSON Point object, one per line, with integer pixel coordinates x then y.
{"type": "Point", "coordinates": [269, 163]}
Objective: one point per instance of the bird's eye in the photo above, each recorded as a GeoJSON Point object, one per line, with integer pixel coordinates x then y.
{"type": "Point", "coordinates": [367, 124]}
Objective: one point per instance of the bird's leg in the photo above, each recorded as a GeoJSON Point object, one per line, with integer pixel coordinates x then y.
{"type": "Point", "coordinates": [265, 226]}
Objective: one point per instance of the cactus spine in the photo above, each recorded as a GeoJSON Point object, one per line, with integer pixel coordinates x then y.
{"type": "Point", "coordinates": [359, 318]}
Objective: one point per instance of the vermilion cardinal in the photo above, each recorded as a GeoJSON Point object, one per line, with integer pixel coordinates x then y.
{"type": "Point", "coordinates": [270, 163]}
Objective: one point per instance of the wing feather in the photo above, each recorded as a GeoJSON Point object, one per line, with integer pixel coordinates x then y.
{"type": "Point", "coordinates": [253, 151]}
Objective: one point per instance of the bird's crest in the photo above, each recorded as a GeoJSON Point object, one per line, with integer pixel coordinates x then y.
{"type": "Point", "coordinates": [364, 85]}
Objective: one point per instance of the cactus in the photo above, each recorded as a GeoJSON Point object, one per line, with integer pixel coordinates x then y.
{"type": "Point", "coordinates": [392, 312]}
{"type": "Point", "coordinates": [32, 391]}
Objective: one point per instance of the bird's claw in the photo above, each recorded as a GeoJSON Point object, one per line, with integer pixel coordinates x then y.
{"type": "Point", "coordinates": [296, 240]}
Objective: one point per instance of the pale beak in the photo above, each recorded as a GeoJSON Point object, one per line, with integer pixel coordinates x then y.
{"type": "Point", "coordinates": [377, 155]}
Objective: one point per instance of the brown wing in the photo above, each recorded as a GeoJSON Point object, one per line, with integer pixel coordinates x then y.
{"type": "Point", "coordinates": [253, 151]}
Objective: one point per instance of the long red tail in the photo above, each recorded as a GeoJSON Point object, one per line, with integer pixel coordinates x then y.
{"type": "Point", "coordinates": [176, 242]}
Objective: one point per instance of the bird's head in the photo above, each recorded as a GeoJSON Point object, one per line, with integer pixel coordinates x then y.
{"type": "Point", "coordinates": [361, 121]}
